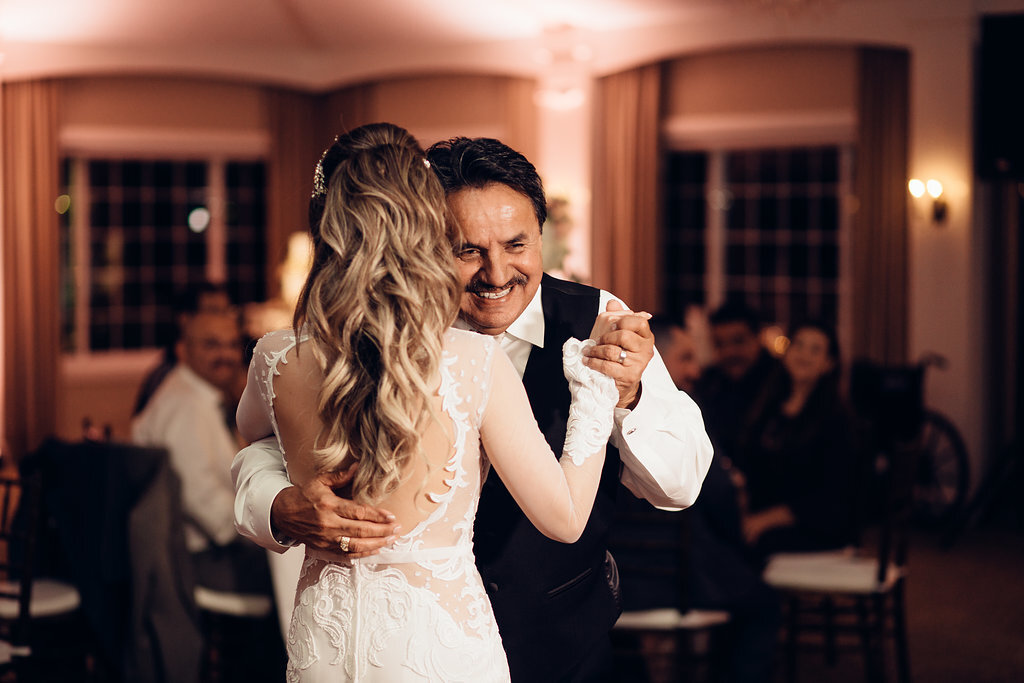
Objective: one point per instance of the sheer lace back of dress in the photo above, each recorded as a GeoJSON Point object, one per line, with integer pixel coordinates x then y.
{"type": "Point", "coordinates": [346, 610]}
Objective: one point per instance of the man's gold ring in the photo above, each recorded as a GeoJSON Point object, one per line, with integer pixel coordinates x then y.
{"type": "Point", "coordinates": [343, 543]}
{"type": "Point", "coordinates": [622, 356]}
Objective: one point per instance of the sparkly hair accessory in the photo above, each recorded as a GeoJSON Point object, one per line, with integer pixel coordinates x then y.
{"type": "Point", "coordinates": [319, 177]}
{"type": "Point", "coordinates": [319, 183]}
{"type": "Point", "coordinates": [325, 167]}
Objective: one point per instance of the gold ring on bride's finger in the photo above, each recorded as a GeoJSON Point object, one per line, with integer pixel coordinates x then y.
{"type": "Point", "coordinates": [622, 356]}
{"type": "Point", "coordinates": [343, 543]}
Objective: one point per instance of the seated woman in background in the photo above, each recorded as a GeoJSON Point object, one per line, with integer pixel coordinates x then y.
{"type": "Point", "coordinates": [798, 452]}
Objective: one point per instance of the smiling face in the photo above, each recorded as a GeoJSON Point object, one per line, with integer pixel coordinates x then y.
{"type": "Point", "coordinates": [808, 357]}
{"type": "Point", "coordinates": [736, 348]}
{"type": "Point", "coordinates": [499, 262]}
{"type": "Point", "coordinates": [212, 348]}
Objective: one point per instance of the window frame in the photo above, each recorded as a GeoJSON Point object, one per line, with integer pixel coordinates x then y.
{"type": "Point", "coordinates": [718, 135]}
{"type": "Point", "coordinates": [216, 148]}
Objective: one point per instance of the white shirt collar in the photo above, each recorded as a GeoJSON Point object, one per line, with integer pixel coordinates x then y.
{"type": "Point", "coordinates": [528, 327]}
{"type": "Point", "coordinates": [205, 389]}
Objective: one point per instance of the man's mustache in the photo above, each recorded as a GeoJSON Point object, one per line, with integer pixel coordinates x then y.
{"type": "Point", "coordinates": [481, 287]}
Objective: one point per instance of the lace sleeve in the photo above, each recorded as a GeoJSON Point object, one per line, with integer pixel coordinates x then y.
{"type": "Point", "coordinates": [255, 415]}
{"type": "Point", "coordinates": [489, 349]}
{"type": "Point", "coordinates": [593, 400]}
{"type": "Point", "coordinates": [556, 495]}
{"type": "Point", "coordinates": [251, 416]}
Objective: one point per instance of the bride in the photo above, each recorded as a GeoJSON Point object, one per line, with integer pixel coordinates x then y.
{"type": "Point", "coordinates": [372, 377]}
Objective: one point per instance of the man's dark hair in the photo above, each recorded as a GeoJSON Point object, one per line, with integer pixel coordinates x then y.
{"type": "Point", "coordinates": [187, 300]}
{"type": "Point", "coordinates": [736, 311]}
{"type": "Point", "coordinates": [478, 162]}
{"type": "Point", "coordinates": [661, 326]}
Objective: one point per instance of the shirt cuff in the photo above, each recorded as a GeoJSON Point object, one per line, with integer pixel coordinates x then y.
{"type": "Point", "coordinates": [263, 499]}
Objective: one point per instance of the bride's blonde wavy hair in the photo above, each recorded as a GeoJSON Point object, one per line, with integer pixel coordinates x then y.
{"type": "Point", "coordinates": [381, 293]}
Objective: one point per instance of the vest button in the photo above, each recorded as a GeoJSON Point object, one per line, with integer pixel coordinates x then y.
{"type": "Point", "coordinates": [492, 587]}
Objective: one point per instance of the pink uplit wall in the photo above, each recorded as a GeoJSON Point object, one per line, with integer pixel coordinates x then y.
{"type": "Point", "coordinates": [147, 116]}
{"type": "Point", "coordinates": [415, 78]}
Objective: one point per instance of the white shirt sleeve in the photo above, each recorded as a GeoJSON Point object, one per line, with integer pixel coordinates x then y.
{"type": "Point", "coordinates": [662, 442]}
{"type": "Point", "coordinates": [259, 474]}
{"type": "Point", "coordinates": [199, 445]}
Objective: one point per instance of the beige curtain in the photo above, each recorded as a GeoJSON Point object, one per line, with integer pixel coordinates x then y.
{"type": "Point", "coordinates": [294, 150]}
{"type": "Point", "coordinates": [31, 265]}
{"type": "Point", "coordinates": [521, 116]}
{"type": "Point", "coordinates": [627, 186]}
{"type": "Point", "coordinates": [301, 127]}
{"type": "Point", "coordinates": [345, 109]}
{"type": "Point", "coordinates": [879, 238]}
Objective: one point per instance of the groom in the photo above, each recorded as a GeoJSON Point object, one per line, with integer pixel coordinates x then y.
{"type": "Point", "coordinates": [555, 603]}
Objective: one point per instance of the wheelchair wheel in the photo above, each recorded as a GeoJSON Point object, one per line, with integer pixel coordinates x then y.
{"type": "Point", "coordinates": [943, 471]}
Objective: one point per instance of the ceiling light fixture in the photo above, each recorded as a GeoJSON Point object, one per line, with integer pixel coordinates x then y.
{"type": "Point", "coordinates": [559, 99]}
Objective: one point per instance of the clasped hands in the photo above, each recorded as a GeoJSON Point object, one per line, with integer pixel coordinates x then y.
{"type": "Point", "coordinates": [625, 345]}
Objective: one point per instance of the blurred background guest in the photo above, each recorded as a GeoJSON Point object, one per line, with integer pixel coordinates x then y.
{"type": "Point", "coordinates": [712, 567]}
{"type": "Point", "coordinates": [186, 415]}
{"type": "Point", "coordinates": [207, 297]}
{"type": "Point", "coordinates": [797, 451]}
{"type": "Point", "coordinates": [679, 351]}
{"type": "Point", "coordinates": [741, 367]}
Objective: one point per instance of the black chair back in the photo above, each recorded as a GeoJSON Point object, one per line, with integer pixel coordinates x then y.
{"type": "Point", "coordinates": [116, 510]}
{"type": "Point", "coordinates": [891, 398]}
{"type": "Point", "coordinates": [650, 548]}
{"type": "Point", "coordinates": [19, 497]}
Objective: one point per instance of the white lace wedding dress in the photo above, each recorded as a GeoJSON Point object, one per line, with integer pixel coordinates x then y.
{"type": "Point", "coordinates": [418, 611]}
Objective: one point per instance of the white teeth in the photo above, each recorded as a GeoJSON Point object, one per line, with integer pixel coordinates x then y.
{"type": "Point", "coordinates": [495, 295]}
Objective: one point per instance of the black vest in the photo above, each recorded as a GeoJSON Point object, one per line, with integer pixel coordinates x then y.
{"type": "Point", "coordinates": [552, 600]}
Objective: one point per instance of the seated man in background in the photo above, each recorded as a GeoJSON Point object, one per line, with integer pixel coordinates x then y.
{"type": "Point", "coordinates": [741, 368]}
{"type": "Point", "coordinates": [186, 415]}
{"type": "Point", "coordinates": [679, 351]}
{"type": "Point", "coordinates": [715, 568]}
{"type": "Point", "coordinates": [206, 297]}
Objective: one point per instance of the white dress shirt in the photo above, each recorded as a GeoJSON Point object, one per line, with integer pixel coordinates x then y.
{"type": "Point", "coordinates": [185, 416]}
{"type": "Point", "coordinates": [662, 442]}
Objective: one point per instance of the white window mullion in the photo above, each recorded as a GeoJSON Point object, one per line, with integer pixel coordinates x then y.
{"type": "Point", "coordinates": [715, 250]}
{"type": "Point", "coordinates": [844, 286]}
{"type": "Point", "coordinates": [217, 233]}
{"type": "Point", "coordinates": [81, 250]}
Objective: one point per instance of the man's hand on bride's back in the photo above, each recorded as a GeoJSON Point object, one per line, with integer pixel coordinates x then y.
{"type": "Point", "coordinates": [315, 515]}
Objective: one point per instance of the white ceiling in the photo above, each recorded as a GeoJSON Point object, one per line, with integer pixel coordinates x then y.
{"type": "Point", "coordinates": [319, 44]}
{"type": "Point", "coordinates": [323, 43]}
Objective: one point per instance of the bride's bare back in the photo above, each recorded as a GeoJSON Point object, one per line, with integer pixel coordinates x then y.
{"type": "Point", "coordinates": [299, 425]}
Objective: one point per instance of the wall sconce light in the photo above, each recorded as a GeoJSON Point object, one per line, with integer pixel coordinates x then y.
{"type": "Point", "coordinates": [933, 187]}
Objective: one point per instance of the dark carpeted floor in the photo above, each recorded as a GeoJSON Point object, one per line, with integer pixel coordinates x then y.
{"type": "Point", "coordinates": [965, 609]}
{"type": "Point", "coordinates": [965, 619]}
